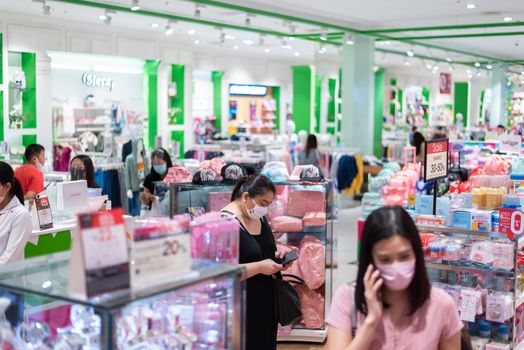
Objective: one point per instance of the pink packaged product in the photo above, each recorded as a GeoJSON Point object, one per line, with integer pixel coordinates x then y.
{"type": "Point", "coordinates": [215, 164]}
{"type": "Point", "coordinates": [286, 224]}
{"type": "Point", "coordinates": [209, 322]}
{"type": "Point", "coordinates": [215, 238]}
{"type": "Point", "coordinates": [503, 256]}
{"type": "Point", "coordinates": [312, 303]}
{"type": "Point", "coordinates": [314, 219]}
{"type": "Point", "coordinates": [218, 200]}
{"type": "Point", "coordinates": [277, 208]}
{"type": "Point", "coordinates": [499, 307]}
{"type": "Point", "coordinates": [178, 174]}
{"type": "Point", "coordinates": [312, 262]}
{"type": "Point", "coordinates": [303, 201]}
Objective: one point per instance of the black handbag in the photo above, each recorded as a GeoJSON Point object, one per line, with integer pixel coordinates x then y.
{"type": "Point", "coordinates": [287, 301]}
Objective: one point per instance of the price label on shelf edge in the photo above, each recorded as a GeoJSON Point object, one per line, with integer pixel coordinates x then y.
{"type": "Point", "coordinates": [436, 159]}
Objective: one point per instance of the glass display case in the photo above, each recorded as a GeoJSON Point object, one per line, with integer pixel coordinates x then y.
{"type": "Point", "coordinates": [199, 309]}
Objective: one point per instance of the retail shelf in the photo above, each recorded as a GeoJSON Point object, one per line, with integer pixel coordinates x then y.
{"type": "Point", "coordinates": [472, 269]}
{"type": "Point", "coordinates": [445, 229]}
{"type": "Point", "coordinates": [304, 335]}
{"type": "Point", "coordinates": [89, 128]}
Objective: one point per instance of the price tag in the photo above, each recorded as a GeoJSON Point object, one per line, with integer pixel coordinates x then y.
{"type": "Point", "coordinates": [510, 144]}
{"type": "Point", "coordinates": [436, 159]}
{"type": "Point", "coordinates": [43, 211]}
{"type": "Point", "coordinates": [469, 303]}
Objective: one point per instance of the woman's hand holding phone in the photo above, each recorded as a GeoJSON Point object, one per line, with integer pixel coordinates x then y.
{"type": "Point", "coordinates": [372, 284]}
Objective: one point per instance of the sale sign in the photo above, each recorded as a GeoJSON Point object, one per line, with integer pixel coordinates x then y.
{"type": "Point", "coordinates": [436, 159]}
{"type": "Point", "coordinates": [511, 222]}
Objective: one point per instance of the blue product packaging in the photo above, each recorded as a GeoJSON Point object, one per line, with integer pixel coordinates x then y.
{"type": "Point", "coordinates": [461, 219]}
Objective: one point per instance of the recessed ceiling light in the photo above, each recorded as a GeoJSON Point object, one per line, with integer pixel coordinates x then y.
{"type": "Point", "coordinates": [477, 64]}
{"type": "Point", "coordinates": [436, 67]}
{"type": "Point", "coordinates": [102, 17]}
{"type": "Point", "coordinates": [406, 63]}
{"type": "Point", "coordinates": [489, 66]}
{"type": "Point", "coordinates": [468, 71]}
{"type": "Point", "coordinates": [470, 76]}
{"type": "Point", "coordinates": [387, 42]}
{"type": "Point", "coordinates": [291, 38]}
{"type": "Point", "coordinates": [235, 47]}
{"type": "Point", "coordinates": [248, 42]}
{"type": "Point", "coordinates": [508, 19]}
{"type": "Point", "coordinates": [429, 66]}
{"type": "Point", "coordinates": [478, 74]}
{"type": "Point", "coordinates": [471, 6]}
{"type": "Point", "coordinates": [229, 37]}
{"type": "Point", "coordinates": [449, 59]}
{"type": "Point", "coordinates": [135, 6]}
{"type": "Point", "coordinates": [349, 39]}
{"type": "Point", "coordinates": [154, 25]}
{"type": "Point", "coordinates": [267, 50]}
{"type": "Point", "coordinates": [410, 53]}
{"type": "Point", "coordinates": [450, 68]}
{"type": "Point", "coordinates": [196, 42]}
{"type": "Point", "coordinates": [297, 54]}
{"type": "Point", "coordinates": [191, 32]}
{"type": "Point", "coordinates": [169, 30]}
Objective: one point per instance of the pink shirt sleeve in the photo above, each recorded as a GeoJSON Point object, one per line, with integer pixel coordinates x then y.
{"type": "Point", "coordinates": [340, 312]}
{"type": "Point", "coordinates": [452, 322]}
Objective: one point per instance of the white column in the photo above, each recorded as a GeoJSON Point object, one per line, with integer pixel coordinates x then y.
{"type": "Point", "coordinates": [358, 82]}
{"type": "Point", "coordinates": [475, 89]}
{"type": "Point", "coordinates": [44, 104]}
{"type": "Point", "coordinates": [163, 104]}
{"type": "Point", "coordinates": [498, 110]}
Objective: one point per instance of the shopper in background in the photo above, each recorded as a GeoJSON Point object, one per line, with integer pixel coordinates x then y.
{"type": "Point", "coordinates": [440, 133]}
{"type": "Point", "coordinates": [417, 141]}
{"type": "Point", "coordinates": [310, 154]}
{"type": "Point", "coordinates": [393, 301]}
{"type": "Point", "coordinates": [251, 198]}
{"type": "Point", "coordinates": [30, 175]}
{"type": "Point", "coordinates": [161, 162]}
{"type": "Point", "coordinates": [82, 168]}
{"type": "Point", "coordinates": [15, 221]}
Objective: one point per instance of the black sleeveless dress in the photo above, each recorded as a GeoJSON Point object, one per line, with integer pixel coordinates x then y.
{"type": "Point", "coordinates": [261, 321]}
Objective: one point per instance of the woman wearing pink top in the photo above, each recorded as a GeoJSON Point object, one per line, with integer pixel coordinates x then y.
{"type": "Point", "coordinates": [393, 305]}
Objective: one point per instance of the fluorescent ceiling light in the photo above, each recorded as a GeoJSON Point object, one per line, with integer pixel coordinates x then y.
{"type": "Point", "coordinates": [297, 54]}
{"type": "Point", "coordinates": [267, 50]}
{"type": "Point", "coordinates": [449, 59]}
{"type": "Point", "coordinates": [429, 66]}
{"type": "Point", "coordinates": [291, 38]}
{"type": "Point", "coordinates": [103, 17]}
{"type": "Point", "coordinates": [471, 6]}
{"type": "Point", "coordinates": [477, 64]}
{"type": "Point", "coordinates": [489, 66]}
{"type": "Point", "coordinates": [169, 30]}
{"type": "Point", "coordinates": [248, 42]}
{"type": "Point", "coordinates": [154, 25]}
{"type": "Point", "coordinates": [229, 37]}
{"type": "Point", "coordinates": [508, 19]}
{"type": "Point", "coordinates": [387, 42]}
{"type": "Point", "coordinates": [410, 53]}
{"type": "Point", "coordinates": [135, 6]}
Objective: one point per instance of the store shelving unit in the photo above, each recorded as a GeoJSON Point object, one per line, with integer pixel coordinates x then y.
{"type": "Point", "coordinates": [453, 274]}
{"type": "Point", "coordinates": [40, 286]}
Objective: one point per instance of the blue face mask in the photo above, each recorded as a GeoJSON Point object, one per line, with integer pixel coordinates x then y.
{"type": "Point", "coordinates": [161, 169]}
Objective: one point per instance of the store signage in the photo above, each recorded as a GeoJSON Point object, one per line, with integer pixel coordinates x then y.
{"type": "Point", "coordinates": [511, 222]}
{"type": "Point", "coordinates": [445, 83]}
{"type": "Point", "coordinates": [436, 159]}
{"type": "Point", "coordinates": [100, 258]}
{"type": "Point", "coordinates": [510, 144]}
{"type": "Point", "coordinates": [247, 90]}
{"type": "Point", "coordinates": [94, 80]}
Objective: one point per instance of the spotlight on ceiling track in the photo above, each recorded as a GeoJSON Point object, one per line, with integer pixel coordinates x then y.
{"type": "Point", "coordinates": [198, 10]}
{"type": "Point", "coordinates": [507, 19]}
{"type": "Point", "coordinates": [449, 59]}
{"type": "Point", "coordinates": [477, 64]}
{"type": "Point", "coordinates": [406, 63]}
{"type": "Point", "coordinates": [410, 53]}
{"type": "Point", "coordinates": [169, 30]}
{"type": "Point", "coordinates": [322, 49]}
{"type": "Point", "coordinates": [46, 9]}
{"type": "Point", "coordinates": [450, 68]}
{"type": "Point", "coordinates": [323, 35]}
{"type": "Point", "coordinates": [135, 5]}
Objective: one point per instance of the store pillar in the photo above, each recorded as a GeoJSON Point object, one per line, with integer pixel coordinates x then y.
{"type": "Point", "coordinates": [498, 108]}
{"type": "Point", "coordinates": [43, 133]}
{"type": "Point", "coordinates": [304, 98]}
{"type": "Point", "coordinates": [475, 91]}
{"type": "Point", "coordinates": [358, 83]}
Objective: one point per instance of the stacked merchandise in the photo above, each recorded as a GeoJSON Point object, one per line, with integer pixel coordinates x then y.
{"type": "Point", "coordinates": [298, 217]}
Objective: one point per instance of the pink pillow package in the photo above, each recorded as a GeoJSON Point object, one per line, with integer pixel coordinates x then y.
{"type": "Point", "coordinates": [311, 259]}
{"type": "Point", "coordinates": [314, 219]}
{"type": "Point", "coordinates": [218, 200]}
{"type": "Point", "coordinates": [303, 201]}
{"type": "Point", "coordinates": [286, 224]}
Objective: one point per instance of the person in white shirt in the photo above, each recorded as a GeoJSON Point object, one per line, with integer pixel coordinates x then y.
{"type": "Point", "coordinates": [15, 221]}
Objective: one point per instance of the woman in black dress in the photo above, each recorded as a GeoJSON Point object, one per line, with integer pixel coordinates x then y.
{"type": "Point", "coordinates": [249, 204]}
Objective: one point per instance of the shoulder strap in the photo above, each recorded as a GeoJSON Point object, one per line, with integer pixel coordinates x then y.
{"type": "Point", "coordinates": [245, 229]}
{"type": "Point", "coordinates": [353, 309]}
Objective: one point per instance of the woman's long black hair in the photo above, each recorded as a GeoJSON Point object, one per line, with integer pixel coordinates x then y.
{"type": "Point", "coordinates": [255, 185]}
{"type": "Point", "coordinates": [162, 154]}
{"type": "Point", "coordinates": [381, 224]}
{"type": "Point", "coordinates": [90, 170]}
{"type": "Point", "coordinates": [311, 143]}
{"type": "Point", "coordinates": [7, 176]}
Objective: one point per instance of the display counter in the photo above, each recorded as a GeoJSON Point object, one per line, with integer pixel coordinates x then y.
{"type": "Point", "coordinates": [197, 309]}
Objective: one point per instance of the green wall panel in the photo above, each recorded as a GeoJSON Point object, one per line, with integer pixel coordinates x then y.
{"type": "Point", "coordinates": [302, 97]}
{"type": "Point", "coordinates": [178, 136]}
{"type": "Point", "coordinates": [28, 140]}
{"type": "Point", "coordinates": [178, 77]}
{"type": "Point", "coordinates": [216, 78]}
{"type": "Point", "coordinates": [378, 113]}
{"type": "Point", "coordinates": [318, 99]}
{"type": "Point", "coordinates": [151, 100]}
{"type": "Point", "coordinates": [29, 94]}
{"type": "Point", "coordinates": [460, 100]}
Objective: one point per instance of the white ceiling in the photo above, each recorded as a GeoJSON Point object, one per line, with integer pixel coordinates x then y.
{"type": "Point", "coordinates": [369, 14]}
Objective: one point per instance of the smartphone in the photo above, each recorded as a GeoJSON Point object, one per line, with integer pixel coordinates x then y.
{"type": "Point", "coordinates": [290, 257]}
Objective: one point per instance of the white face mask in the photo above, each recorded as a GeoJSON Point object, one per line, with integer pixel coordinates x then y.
{"type": "Point", "coordinates": [257, 212]}
{"type": "Point", "coordinates": [39, 165]}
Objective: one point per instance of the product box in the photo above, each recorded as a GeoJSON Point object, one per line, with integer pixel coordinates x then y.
{"type": "Point", "coordinates": [470, 219]}
{"type": "Point", "coordinates": [424, 206]}
{"type": "Point", "coordinates": [461, 219]}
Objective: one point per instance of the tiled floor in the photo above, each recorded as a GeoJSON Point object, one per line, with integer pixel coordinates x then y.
{"type": "Point", "coordinates": [346, 252]}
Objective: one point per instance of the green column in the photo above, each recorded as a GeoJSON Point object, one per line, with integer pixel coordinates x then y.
{"type": "Point", "coordinates": [1, 92]}
{"type": "Point", "coordinates": [276, 96]}
{"type": "Point", "coordinates": [29, 94]}
{"type": "Point", "coordinates": [216, 78]}
{"type": "Point", "coordinates": [460, 101]}
{"type": "Point", "coordinates": [151, 100]}
{"type": "Point", "coordinates": [178, 78]}
{"type": "Point", "coordinates": [318, 99]}
{"type": "Point", "coordinates": [332, 85]}
{"type": "Point", "coordinates": [426, 93]}
{"type": "Point", "coordinates": [303, 97]}
{"type": "Point", "coordinates": [379, 111]}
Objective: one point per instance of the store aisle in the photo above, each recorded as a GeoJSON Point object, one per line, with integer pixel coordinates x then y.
{"type": "Point", "coordinates": [346, 235]}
